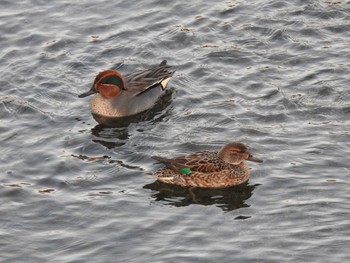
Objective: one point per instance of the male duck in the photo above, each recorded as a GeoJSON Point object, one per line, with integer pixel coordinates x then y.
{"type": "Point", "coordinates": [122, 96]}
{"type": "Point", "coordinates": [208, 169]}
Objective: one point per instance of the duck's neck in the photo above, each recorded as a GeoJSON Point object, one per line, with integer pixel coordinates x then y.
{"type": "Point", "coordinates": [222, 154]}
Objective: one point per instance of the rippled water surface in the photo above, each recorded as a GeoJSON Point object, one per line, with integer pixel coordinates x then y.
{"type": "Point", "coordinates": [272, 74]}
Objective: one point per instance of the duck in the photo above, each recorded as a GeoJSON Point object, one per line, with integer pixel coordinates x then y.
{"type": "Point", "coordinates": [208, 169]}
{"type": "Point", "coordinates": [119, 97]}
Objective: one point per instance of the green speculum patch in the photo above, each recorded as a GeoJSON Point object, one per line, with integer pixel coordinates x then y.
{"type": "Point", "coordinates": [185, 170]}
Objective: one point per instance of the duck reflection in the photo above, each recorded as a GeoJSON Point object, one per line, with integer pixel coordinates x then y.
{"type": "Point", "coordinates": [110, 137]}
{"type": "Point", "coordinates": [227, 199]}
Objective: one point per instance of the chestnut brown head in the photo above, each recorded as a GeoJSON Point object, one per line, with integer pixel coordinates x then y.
{"type": "Point", "coordinates": [108, 83]}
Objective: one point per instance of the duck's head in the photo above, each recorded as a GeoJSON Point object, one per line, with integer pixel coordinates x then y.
{"type": "Point", "coordinates": [108, 83]}
{"type": "Point", "coordinates": [235, 153]}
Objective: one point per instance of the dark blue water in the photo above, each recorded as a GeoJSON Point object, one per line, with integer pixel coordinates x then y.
{"type": "Point", "coordinates": [272, 74]}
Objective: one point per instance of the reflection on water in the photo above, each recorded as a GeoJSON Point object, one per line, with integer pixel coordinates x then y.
{"type": "Point", "coordinates": [227, 199]}
{"type": "Point", "coordinates": [110, 137]}
{"type": "Point", "coordinates": [107, 159]}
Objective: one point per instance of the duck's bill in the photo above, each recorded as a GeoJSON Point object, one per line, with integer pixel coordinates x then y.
{"type": "Point", "coordinates": [253, 159]}
{"type": "Point", "coordinates": [88, 93]}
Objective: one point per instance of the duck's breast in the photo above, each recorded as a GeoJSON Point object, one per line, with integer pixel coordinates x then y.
{"type": "Point", "coordinates": [125, 104]}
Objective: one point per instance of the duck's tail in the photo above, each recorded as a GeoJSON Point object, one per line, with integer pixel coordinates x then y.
{"type": "Point", "coordinates": [162, 160]}
{"type": "Point", "coordinates": [163, 63]}
{"type": "Point", "coordinates": [170, 72]}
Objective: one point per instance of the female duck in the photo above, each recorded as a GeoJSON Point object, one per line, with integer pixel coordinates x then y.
{"type": "Point", "coordinates": [122, 96]}
{"type": "Point", "coordinates": [208, 169]}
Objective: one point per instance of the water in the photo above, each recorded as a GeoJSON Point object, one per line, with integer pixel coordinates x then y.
{"type": "Point", "coordinates": [272, 74]}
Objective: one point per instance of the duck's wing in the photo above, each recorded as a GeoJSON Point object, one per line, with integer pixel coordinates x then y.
{"type": "Point", "coordinates": [143, 80]}
{"type": "Point", "coordinates": [204, 162]}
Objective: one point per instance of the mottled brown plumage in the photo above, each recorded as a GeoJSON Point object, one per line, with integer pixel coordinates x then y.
{"type": "Point", "coordinates": [208, 169]}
